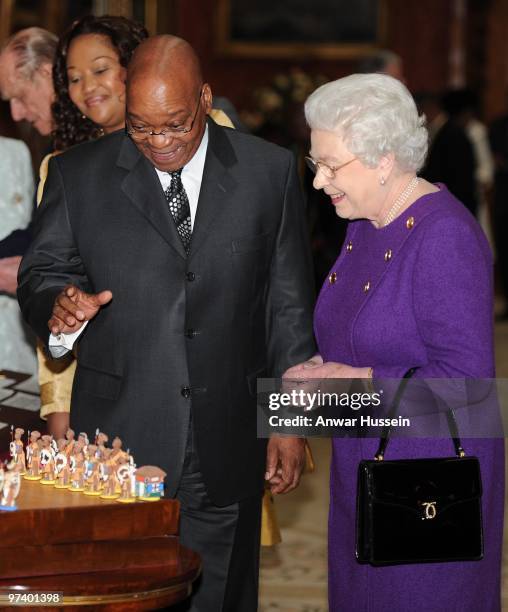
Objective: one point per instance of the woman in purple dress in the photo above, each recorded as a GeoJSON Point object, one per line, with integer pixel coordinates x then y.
{"type": "Point", "coordinates": [412, 287]}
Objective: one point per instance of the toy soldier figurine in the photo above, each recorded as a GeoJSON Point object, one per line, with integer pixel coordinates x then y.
{"type": "Point", "coordinates": [69, 437]}
{"type": "Point", "coordinates": [33, 456]}
{"type": "Point", "coordinates": [17, 449]}
{"type": "Point", "coordinates": [10, 488]}
{"type": "Point", "coordinates": [78, 474]}
{"type": "Point", "coordinates": [62, 469]}
{"type": "Point", "coordinates": [111, 484]}
{"type": "Point", "coordinates": [101, 440]}
{"type": "Point", "coordinates": [83, 439]}
{"type": "Point", "coordinates": [12, 445]}
{"type": "Point", "coordinates": [47, 461]}
{"type": "Point", "coordinates": [117, 452]}
{"type": "Point", "coordinates": [125, 475]}
{"type": "Point", "coordinates": [93, 480]}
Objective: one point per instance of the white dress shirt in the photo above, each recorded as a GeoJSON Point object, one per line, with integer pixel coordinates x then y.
{"type": "Point", "coordinates": [192, 176]}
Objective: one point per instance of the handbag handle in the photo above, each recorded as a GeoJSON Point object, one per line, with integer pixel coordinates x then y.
{"type": "Point", "coordinates": [385, 434]}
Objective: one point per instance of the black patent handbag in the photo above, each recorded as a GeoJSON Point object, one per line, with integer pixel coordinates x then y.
{"type": "Point", "coordinates": [419, 510]}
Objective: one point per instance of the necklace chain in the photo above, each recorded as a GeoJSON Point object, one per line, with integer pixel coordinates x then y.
{"type": "Point", "coordinates": [401, 200]}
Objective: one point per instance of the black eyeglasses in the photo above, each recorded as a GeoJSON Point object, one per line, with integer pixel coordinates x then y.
{"type": "Point", "coordinates": [142, 133]}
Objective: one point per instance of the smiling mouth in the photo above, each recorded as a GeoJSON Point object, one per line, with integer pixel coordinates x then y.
{"type": "Point", "coordinates": [336, 198]}
{"type": "Point", "coordinates": [166, 155]}
{"type": "Point", "coordinates": [95, 100]}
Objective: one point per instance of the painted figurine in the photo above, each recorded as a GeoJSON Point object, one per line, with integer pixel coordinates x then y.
{"type": "Point", "coordinates": [93, 478]}
{"type": "Point", "coordinates": [62, 468]}
{"type": "Point", "coordinates": [10, 487]}
{"type": "Point", "coordinates": [111, 484]}
{"type": "Point", "coordinates": [17, 449]}
{"type": "Point", "coordinates": [117, 451]}
{"type": "Point", "coordinates": [33, 450]}
{"type": "Point", "coordinates": [47, 461]}
{"type": "Point", "coordinates": [101, 440]}
{"type": "Point", "coordinates": [78, 471]}
{"type": "Point", "coordinates": [126, 477]}
{"type": "Point", "coordinates": [69, 445]}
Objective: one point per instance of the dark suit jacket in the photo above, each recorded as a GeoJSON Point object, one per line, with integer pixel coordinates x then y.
{"type": "Point", "coordinates": [237, 308]}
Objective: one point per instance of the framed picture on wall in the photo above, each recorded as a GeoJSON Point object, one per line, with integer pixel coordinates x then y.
{"type": "Point", "coordinates": [326, 29]}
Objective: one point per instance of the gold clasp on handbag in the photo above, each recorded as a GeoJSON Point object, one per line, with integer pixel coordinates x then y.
{"type": "Point", "coordinates": [430, 510]}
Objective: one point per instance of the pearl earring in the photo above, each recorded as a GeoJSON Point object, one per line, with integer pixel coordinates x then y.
{"type": "Point", "coordinates": [382, 181]}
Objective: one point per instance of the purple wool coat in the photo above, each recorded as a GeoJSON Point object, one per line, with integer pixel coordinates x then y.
{"type": "Point", "coordinates": [417, 292]}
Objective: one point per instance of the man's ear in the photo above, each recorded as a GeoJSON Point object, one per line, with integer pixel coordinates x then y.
{"type": "Point", "coordinates": [46, 70]}
{"type": "Point", "coordinates": [207, 97]}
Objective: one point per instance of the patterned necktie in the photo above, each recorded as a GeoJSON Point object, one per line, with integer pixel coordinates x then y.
{"type": "Point", "coordinates": [179, 207]}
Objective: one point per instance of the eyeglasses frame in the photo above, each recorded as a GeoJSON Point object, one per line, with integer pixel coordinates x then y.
{"type": "Point", "coordinates": [329, 171]}
{"type": "Point", "coordinates": [140, 136]}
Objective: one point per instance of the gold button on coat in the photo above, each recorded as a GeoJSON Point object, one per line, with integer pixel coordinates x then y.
{"type": "Point", "coordinates": [332, 278]}
{"type": "Point", "coordinates": [366, 287]}
{"type": "Point", "coordinates": [349, 247]}
{"type": "Point", "coordinates": [410, 222]}
{"type": "Point", "coordinates": [388, 255]}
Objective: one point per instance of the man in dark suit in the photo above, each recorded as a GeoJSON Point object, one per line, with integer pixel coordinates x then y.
{"type": "Point", "coordinates": [183, 247]}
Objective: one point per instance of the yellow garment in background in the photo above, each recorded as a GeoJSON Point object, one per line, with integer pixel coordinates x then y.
{"type": "Point", "coordinates": [55, 376]}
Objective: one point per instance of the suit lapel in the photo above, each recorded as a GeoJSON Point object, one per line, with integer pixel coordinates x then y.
{"type": "Point", "coordinates": [217, 186]}
{"type": "Point", "coordinates": [143, 189]}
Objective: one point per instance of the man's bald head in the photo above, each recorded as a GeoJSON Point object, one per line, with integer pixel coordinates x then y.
{"type": "Point", "coordinates": [165, 57]}
{"type": "Point", "coordinates": [166, 97]}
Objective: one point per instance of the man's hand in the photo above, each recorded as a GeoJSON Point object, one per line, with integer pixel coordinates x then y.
{"type": "Point", "coordinates": [285, 460]}
{"type": "Point", "coordinates": [58, 424]}
{"type": "Point", "coordinates": [73, 307]}
{"type": "Point", "coordinates": [9, 274]}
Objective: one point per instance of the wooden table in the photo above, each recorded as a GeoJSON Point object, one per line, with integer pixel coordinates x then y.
{"type": "Point", "coordinates": [99, 554]}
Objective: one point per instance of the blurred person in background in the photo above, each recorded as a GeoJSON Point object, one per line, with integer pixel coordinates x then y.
{"type": "Point", "coordinates": [17, 343]}
{"type": "Point", "coordinates": [498, 135]}
{"type": "Point", "coordinates": [383, 61]}
{"type": "Point", "coordinates": [451, 157]}
{"type": "Point", "coordinates": [26, 61]}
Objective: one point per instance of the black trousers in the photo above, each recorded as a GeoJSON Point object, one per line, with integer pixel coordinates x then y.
{"type": "Point", "coordinates": [227, 538]}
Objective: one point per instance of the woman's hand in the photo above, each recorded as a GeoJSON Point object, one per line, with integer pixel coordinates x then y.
{"type": "Point", "coordinates": [330, 369]}
{"type": "Point", "coordinates": [313, 362]}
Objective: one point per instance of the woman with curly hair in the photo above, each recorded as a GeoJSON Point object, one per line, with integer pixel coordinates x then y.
{"type": "Point", "coordinates": [89, 80]}
{"type": "Point", "coordinates": [89, 77]}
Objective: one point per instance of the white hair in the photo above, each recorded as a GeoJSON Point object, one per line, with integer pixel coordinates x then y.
{"type": "Point", "coordinates": [31, 48]}
{"type": "Point", "coordinates": [375, 115]}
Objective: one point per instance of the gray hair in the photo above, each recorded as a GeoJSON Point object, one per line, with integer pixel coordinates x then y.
{"type": "Point", "coordinates": [375, 115]}
{"type": "Point", "coordinates": [31, 48]}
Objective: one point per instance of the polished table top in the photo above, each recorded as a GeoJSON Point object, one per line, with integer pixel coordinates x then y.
{"type": "Point", "coordinates": [99, 554]}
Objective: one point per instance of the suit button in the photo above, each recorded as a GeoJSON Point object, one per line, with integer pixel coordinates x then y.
{"type": "Point", "coordinates": [190, 333]}
{"type": "Point", "coordinates": [191, 276]}
{"type": "Point", "coordinates": [186, 392]}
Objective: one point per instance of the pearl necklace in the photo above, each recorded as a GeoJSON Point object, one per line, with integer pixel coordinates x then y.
{"type": "Point", "coordinates": [400, 201]}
